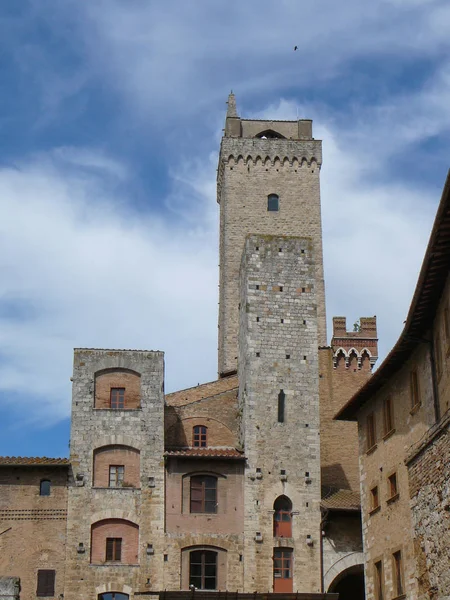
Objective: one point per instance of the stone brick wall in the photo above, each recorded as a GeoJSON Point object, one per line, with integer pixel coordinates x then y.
{"type": "Point", "coordinates": [32, 527]}
{"type": "Point", "coordinates": [115, 528]}
{"type": "Point", "coordinates": [388, 528]}
{"type": "Point", "coordinates": [278, 351]}
{"type": "Point", "coordinates": [342, 544]}
{"type": "Point", "coordinates": [249, 170]}
{"type": "Point", "coordinates": [140, 428]}
{"type": "Point", "coordinates": [117, 379]}
{"type": "Point", "coordinates": [127, 457]}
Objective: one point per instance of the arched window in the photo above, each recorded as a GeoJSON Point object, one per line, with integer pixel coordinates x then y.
{"type": "Point", "coordinates": [113, 596]}
{"type": "Point", "coordinates": [203, 494]}
{"type": "Point", "coordinates": [199, 436]}
{"type": "Point", "coordinates": [203, 569]}
{"type": "Point", "coordinates": [282, 517]}
{"type": "Point", "coordinates": [273, 202]}
{"type": "Point", "coordinates": [44, 487]}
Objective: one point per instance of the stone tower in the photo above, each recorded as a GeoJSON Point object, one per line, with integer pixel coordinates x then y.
{"type": "Point", "coordinates": [279, 403]}
{"type": "Point", "coordinates": [268, 183]}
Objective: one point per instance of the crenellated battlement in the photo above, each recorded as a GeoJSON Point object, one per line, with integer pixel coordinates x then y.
{"type": "Point", "coordinates": [359, 346]}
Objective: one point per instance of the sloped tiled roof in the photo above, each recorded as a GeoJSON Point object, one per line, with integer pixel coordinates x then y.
{"type": "Point", "coordinates": [205, 453]}
{"type": "Point", "coordinates": [199, 392]}
{"type": "Point", "coordinates": [347, 500]}
{"type": "Point", "coordinates": [33, 461]}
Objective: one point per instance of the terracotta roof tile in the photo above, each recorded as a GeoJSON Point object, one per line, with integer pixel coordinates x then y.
{"type": "Point", "coordinates": [31, 461]}
{"type": "Point", "coordinates": [199, 392]}
{"type": "Point", "coordinates": [205, 453]}
{"type": "Point", "coordinates": [341, 500]}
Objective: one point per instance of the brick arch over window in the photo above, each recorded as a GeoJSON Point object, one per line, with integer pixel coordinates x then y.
{"type": "Point", "coordinates": [116, 466]}
{"type": "Point", "coordinates": [117, 389]}
{"type": "Point", "coordinates": [270, 134]}
{"type": "Point", "coordinates": [114, 541]}
{"type": "Point", "coordinates": [193, 562]}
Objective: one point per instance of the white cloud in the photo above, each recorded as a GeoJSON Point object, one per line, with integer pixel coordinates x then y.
{"type": "Point", "coordinates": [89, 272]}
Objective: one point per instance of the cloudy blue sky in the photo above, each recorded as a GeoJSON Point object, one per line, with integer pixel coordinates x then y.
{"type": "Point", "coordinates": [110, 120]}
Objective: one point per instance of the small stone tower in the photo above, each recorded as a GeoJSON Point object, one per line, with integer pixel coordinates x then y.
{"type": "Point", "coordinates": [279, 400]}
{"type": "Point", "coordinates": [267, 183]}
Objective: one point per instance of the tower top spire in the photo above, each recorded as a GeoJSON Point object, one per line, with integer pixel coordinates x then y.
{"type": "Point", "coordinates": [231, 110]}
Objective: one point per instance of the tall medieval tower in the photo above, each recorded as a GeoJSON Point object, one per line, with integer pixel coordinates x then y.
{"type": "Point", "coordinates": [268, 183]}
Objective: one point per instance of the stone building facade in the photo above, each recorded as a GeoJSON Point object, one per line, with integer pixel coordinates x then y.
{"type": "Point", "coordinates": [245, 483]}
{"type": "Point", "coordinates": [404, 443]}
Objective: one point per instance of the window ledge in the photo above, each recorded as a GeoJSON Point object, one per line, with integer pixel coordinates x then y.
{"type": "Point", "coordinates": [391, 500]}
{"type": "Point", "coordinates": [388, 434]}
{"type": "Point", "coordinates": [113, 564]}
{"type": "Point", "coordinates": [371, 450]}
{"type": "Point", "coordinates": [374, 510]}
{"type": "Point", "coordinates": [95, 487]}
{"type": "Point", "coordinates": [414, 409]}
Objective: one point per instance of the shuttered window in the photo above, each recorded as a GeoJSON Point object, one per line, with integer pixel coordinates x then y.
{"type": "Point", "coordinates": [203, 494]}
{"type": "Point", "coordinates": [113, 549]}
{"type": "Point", "coordinates": [45, 582]}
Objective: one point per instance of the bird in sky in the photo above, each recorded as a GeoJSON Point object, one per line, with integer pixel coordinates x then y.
{"type": "Point", "coordinates": [295, 48]}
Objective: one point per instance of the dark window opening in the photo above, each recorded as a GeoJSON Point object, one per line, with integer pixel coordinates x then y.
{"type": "Point", "coordinates": [392, 483]}
{"type": "Point", "coordinates": [414, 387]}
{"type": "Point", "coordinates": [117, 397]}
{"type": "Point", "coordinates": [379, 588]}
{"type": "Point", "coordinates": [288, 356]}
{"type": "Point", "coordinates": [281, 406]}
{"type": "Point", "coordinates": [203, 569]}
{"type": "Point", "coordinates": [371, 433]}
{"type": "Point", "coordinates": [203, 494]}
{"type": "Point", "coordinates": [113, 550]}
{"type": "Point", "coordinates": [45, 487]}
{"type": "Point", "coordinates": [199, 436]}
{"type": "Point", "coordinates": [113, 596]}
{"type": "Point", "coordinates": [45, 582]}
{"type": "Point", "coordinates": [388, 416]}
{"type": "Point", "coordinates": [398, 573]}
{"type": "Point", "coordinates": [273, 202]}
{"type": "Point", "coordinates": [374, 498]}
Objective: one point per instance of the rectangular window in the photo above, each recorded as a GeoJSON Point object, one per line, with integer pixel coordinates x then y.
{"type": "Point", "coordinates": [203, 494]}
{"type": "Point", "coordinates": [378, 583]}
{"type": "Point", "coordinates": [388, 415]}
{"type": "Point", "coordinates": [113, 549]}
{"type": "Point", "coordinates": [203, 569]}
{"type": "Point", "coordinates": [199, 436]}
{"type": "Point", "coordinates": [281, 406]}
{"type": "Point", "coordinates": [374, 498]}
{"type": "Point", "coordinates": [414, 389]}
{"type": "Point", "coordinates": [371, 434]}
{"type": "Point", "coordinates": [45, 582]}
{"type": "Point", "coordinates": [116, 473]}
{"type": "Point", "coordinates": [398, 573]}
{"type": "Point", "coordinates": [392, 485]}
{"type": "Point", "coordinates": [117, 397]}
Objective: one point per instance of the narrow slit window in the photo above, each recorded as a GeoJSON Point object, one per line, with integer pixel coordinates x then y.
{"type": "Point", "coordinates": [281, 406]}
{"type": "Point", "coordinates": [398, 573]}
{"type": "Point", "coordinates": [273, 203]}
{"type": "Point", "coordinates": [392, 485]}
{"type": "Point", "coordinates": [414, 389]}
{"type": "Point", "coordinates": [388, 415]}
{"type": "Point", "coordinates": [379, 587]}
{"type": "Point", "coordinates": [374, 498]}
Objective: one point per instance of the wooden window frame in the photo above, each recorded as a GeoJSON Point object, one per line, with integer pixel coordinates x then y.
{"type": "Point", "coordinates": [113, 549]}
{"type": "Point", "coordinates": [374, 499]}
{"type": "Point", "coordinates": [119, 476]}
{"type": "Point", "coordinates": [398, 580]}
{"type": "Point", "coordinates": [199, 486]}
{"type": "Point", "coordinates": [45, 583]}
{"type": "Point", "coordinates": [414, 389]}
{"type": "Point", "coordinates": [201, 555]}
{"type": "Point", "coordinates": [199, 436]}
{"type": "Point", "coordinates": [378, 577]}
{"type": "Point", "coordinates": [371, 431]}
{"type": "Point", "coordinates": [285, 556]}
{"type": "Point", "coordinates": [392, 482]}
{"type": "Point", "coordinates": [388, 416]}
{"type": "Point", "coordinates": [117, 398]}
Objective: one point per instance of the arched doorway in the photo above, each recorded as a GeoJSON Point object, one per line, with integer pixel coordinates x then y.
{"type": "Point", "coordinates": [349, 584]}
{"type": "Point", "coordinates": [113, 596]}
